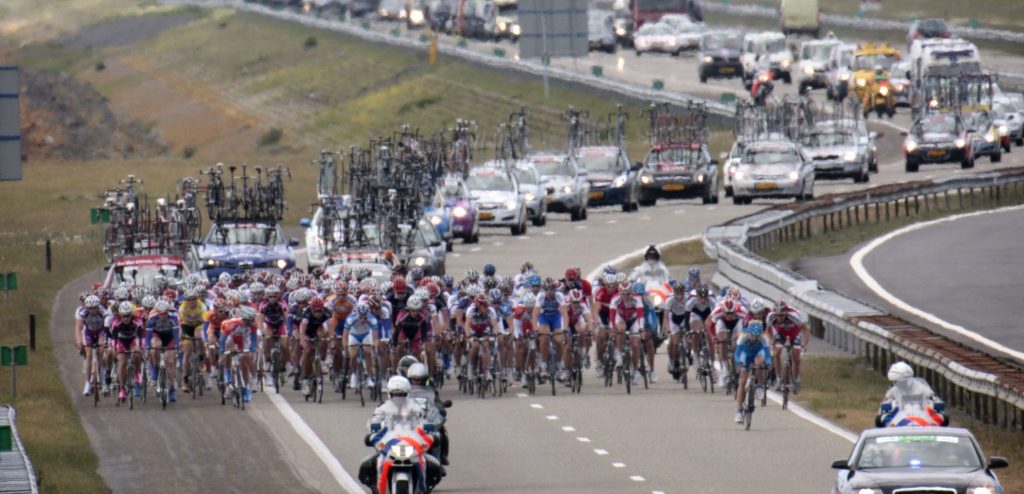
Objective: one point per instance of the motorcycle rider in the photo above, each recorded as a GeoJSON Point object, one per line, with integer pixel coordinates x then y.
{"type": "Point", "coordinates": [910, 399]}
{"type": "Point", "coordinates": [652, 267]}
{"type": "Point", "coordinates": [762, 87]}
{"type": "Point", "coordinates": [426, 396]}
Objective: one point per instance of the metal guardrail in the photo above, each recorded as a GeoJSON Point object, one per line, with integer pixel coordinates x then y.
{"type": "Point", "coordinates": [986, 386]}
{"type": "Point", "coordinates": [16, 472]}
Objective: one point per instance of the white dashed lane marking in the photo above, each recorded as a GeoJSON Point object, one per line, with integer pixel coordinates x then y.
{"type": "Point", "coordinates": [619, 465]}
{"type": "Point", "coordinates": [600, 452]}
{"type": "Point", "coordinates": [475, 249]}
{"type": "Point", "coordinates": [637, 478]}
{"type": "Point", "coordinates": [583, 439]}
{"type": "Point", "coordinates": [552, 417]}
{"type": "Point", "coordinates": [569, 428]}
{"type": "Point", "coordinates": [538, 406]}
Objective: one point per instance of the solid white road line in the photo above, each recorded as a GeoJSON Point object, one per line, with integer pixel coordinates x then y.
{"type": "Point", "coordinates": [344, 480]}
{"type": "Point", "coordinates": [857, 263]}
{"type": "Point", "coordinates": [813, 418]}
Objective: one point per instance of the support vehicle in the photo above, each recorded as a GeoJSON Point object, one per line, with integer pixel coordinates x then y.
{"type": "Point", "coordinates": [773, 169]}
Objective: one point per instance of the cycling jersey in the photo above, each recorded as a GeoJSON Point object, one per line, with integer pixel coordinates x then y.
{"type": "Point", "coordinates": [551, 309]}
{"type": "Point", "coordinates": [479, 321]}
{"type": "Point", "coordinates": [629, 313]}
{"type": "Point", "coordinates": [340, 307]}
{"type": "Point", "coordinates": [576, 313]}
{"type": "Point", "coordinates": [700, 308]}
{"type": "Point", "coordinates": [578, 284]}
{"type": "Point", "coordinates": [126, 333]}
{"type": "Point", "coordinates": [785, 327]}
{"type": "Point", "coordinates": [749, 347]}
{"type": "Point", "coordinates": [191, 314]}
{"type": "Point", "coordinates": [163, 327]}
{"type": "Point", "coordinates": [522, 323]}
{"type": "Point", "coordinates": [414, 326]}
{"type": "Point", "coordinates": [242, 334]}
{"type": "Point", "coordinates": [314, 321]}
{"type": "Point", "coordinates": [274, 316]}
{"type": "Point", "coordinates": [213, 323]}
{"type": "Point", "coordinates": [360, 330]}
{"type": "Point", "coordinates": [93, 324]}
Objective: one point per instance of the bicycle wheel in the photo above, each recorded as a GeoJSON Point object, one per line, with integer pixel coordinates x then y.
{"type": "Point", "coordinates": [239, 402]}
{"type": "Point", "coordinates": [130, 376]}
{"type": "Point", "coordinates": [360, 379]}
{"type": "Point", "coordinates": [94, 378]}
{"type": "Point", "coordinates": [577, 372]}
{"type": "Point", "coordinates": [703, 374]}
{"type": "Point", "coordinates": [162, 385]}
{"type": "Point", "coordinates": [627, 369]}
{"type": "Point", "coordinates": [320, 384]}
{"type": "Point", "coordinates": [749, 415]}
{"type": "Point", "coordinates": [222, 385]}
{"type": "Point", "coordinates": [261, 370]}
{"type": "Point", "coordinates": [275, 369]}
{"type": "Point", "coordinates": [787, 378]}
{"type": "Point", "coordinates": [643, 363]}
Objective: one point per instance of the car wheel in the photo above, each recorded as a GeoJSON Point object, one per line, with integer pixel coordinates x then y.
{"type": "Point", "coordinates": [996, 158]}
{"type": "Point", "coordinates": [728, 192]}
{"type": "Point", "coordinates": [912, 166]}
{"type": "Point", "coordinates": [583, 214]}
{"type": "Point", "coordinates": [1020, 141]}
{"type": "Point", "coordinates": [788, 79]}
{"type": "Point", "coordinates": [803, 89]}
{"type": "Point", "coordinates": [703, 78]}
{"type": "Point", "coordinates": [873, 166]}
{"type": "Point", "coordinates": [449, 245]}
{"type": "Point", "coordinates": [739, 201]}
{"type": "Point", "coordinates": [967, 163]}
{"type": "Point", "coordinates": [1007, 148]}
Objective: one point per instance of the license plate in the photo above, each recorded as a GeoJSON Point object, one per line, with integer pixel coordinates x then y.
{"type": "Point", "coordinates": [597, 194]}
{"type": "Point", "coordinates": [487, 216]}
{"type": "Point", "coordinates": [766, 186]}
{"type": "Point", "coordinates": [727, 70]}
{"type": "Point", "coordinates": [673, 187]}
{"type": "Point", "coordinates": [936, 153]}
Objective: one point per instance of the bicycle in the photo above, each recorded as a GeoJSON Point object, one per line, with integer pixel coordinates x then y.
{"type": "Point", "coordinates": [236, 377]}
{"type": "Point", "coordinates": [553, 362]}
{"type": "Point", "coordinates": [196, 374]}
{"type": "Point", "coordinates": [316, 385]}
{"type": "Point", "coordinates": [576, 371]}
{"type": "Point", "coordinates": [531, 362]}
{"type": "Point", "coordinates": [131, 374]}
{"type": "Point", "coordinates": [643, 357]}
{"type": "Point", "coordinates": [787, 373]}
{"type": "Point", "coordinates": [498, 382]}
{"type": "Point", "coordinates": [276, 367]}
{"type": "Point", "coordinates": [361, 373]}
{"type": "Point", "coordinates": [94, 375]}
{"type": "Point", "coordinates": [704, 367]}
{"type": "Point", "coordinates": [608, 360]}
{"type": "Point", "coordinates": [752, 389]}
{"type": "Point", "coordinates": [682, 359]}
{"type": "Point", "coordinates": [626, 370]}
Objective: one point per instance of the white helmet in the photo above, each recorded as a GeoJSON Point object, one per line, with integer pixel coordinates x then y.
{"type": "Point", "coordinates": [399, 385]}
{"type": "Point", "coordinates": [92, 301]}
{"type": "Point", "coordinates": [414, 303]}
{"type": "Point", "coordinates": [900, 370]}
{"type": "Point", "coordinates": [758, 306]}
{"type": "Point", "coordinates": [417, 371]}
{"type": "Point", "coordinates": [529, 300]}
{"type": "Point", "coordinates": [126, 308]}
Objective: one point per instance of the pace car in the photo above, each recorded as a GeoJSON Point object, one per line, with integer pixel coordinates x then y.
{"type": "Point", "coordinates": [676, 171]}
{"type": "Point", "coordinates": [232, 247]}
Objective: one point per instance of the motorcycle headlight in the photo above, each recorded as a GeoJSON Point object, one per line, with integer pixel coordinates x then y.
{"type": "Point", "coordinates": [933, 103]}
{"type": "Point", "coordinates": [850, 156]}
{"type": "Point", "coordinates": [884, 90]}
{"type": "Point", "coordinates": [502, 26]}
{"type": "Point", "coordinates": [567, 189]}
{"type": "Point", "coordinates": [1004, 131]}
{"type": "Point", "coordinates": [646, 179]}
{"type": "Point", "coordinates": [211, 263]}
{"type": "Point", "coordinates": [620, 31]}
{"type": "Point", "coordinates": [844, 76]}
{"type": "Point", "coordinates": [529, 196]}
{"type": "Point", "coordinates": [862, 82]}
{"type": "Point", "coordinates": [981, 490]}
{"type": "Point", "coordinates": [619, 182]}
{"type": "Point", "coordinates": [401, 452]}
{"type": "Point", "coordinates": [416, 17]}
{"type": "Point", "coordinates": [657, 300]}
{"type": "Point", "coordinates": [911, 145]}
{"type": "Point", "coordinates": [281, 264]}
{"type": "Point", "coordinates": [435, 220]}
{"type": "Point", "coordinates": [402, 14]}
{"type": "Point", "coordinates": [516, 30]}
{"type": "Point", "coordinates": [899, 88]}
{"type": "Point", "coordinates": [383, 12]}
{"type": "Point", "coordinates": [785, 63]}
{"type": "Point", "coordinates": [420, 261]}
{"type": "Point", "coordinates": [510, 205]}
{"type": "Point", "coordinates": [960, 142]}
{"type": "Point", "coordinates": [708, 59]}
{"type": "Point", "coordinates": [793, 175]}
{"type": "Point", "coordinates": [739, 175]}
{"type": "Point", "coordinates": [459, 212]}
{"type": "Point", "coordinates": [808, 70]}
{"type": "Point", "coordinates": [989, 137]}
{"type": "Point", "coordinates": [700, 179]}
{"type": "Point", "coordinates": [869, 491]}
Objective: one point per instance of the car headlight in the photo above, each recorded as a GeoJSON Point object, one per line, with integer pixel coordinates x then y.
{"type": "Point", "coordinates": [869, 491]}
{"type": "Point", "coordinates": [211, 263]}
{"type": "Point", "coordinates": [884, 90]}
{"type": "Point", "coordinates": [459, 212]}
{"type": "Point", "coordinates": [646, 179]}
{"type": "Point", "coordinates": [899, 88]}
{"type": "Point", "coordinates": [844, 76]}
{"type": "Point", "coordinates": [793, 175]}
{"type": "Point", "coordinates": [808, 70]}
{"type": "Point", "coordinates": [739, 175]}
{"type": "Point", "coordinates": [933, 103]}
{"type": "Point", "coordinates": [1004, 131]}
{"type": "Point", "coordinates": [567, 189]}
{"type": "Point", "coordinates": [401, 452]}
{"type": "Point", "coordinates": [416, 17]}
{"type": "Point", "coordinates": [960, 142]}
{"type": "Point", "coordinates": [420, 261]}
{"type": "Point", "coordinates": [383, 12]}
{"type": "Point", "coordinates": [281, 264]}
{"type": "Point", "coordinates": [435, 220]}
{"type": "Point", "coordinates": [785, 63]}
{"type": "Point", "coordinates": [510, 205]}
{"type": "Point", "coordinates": [620, 31]}
{"type": "Point", "coordinates": [402, 14]}
{"type": "Point", "coordinates": [862, 82]}
{"type": "Point", "coordinates": [708, 59]}
{"type": "Point", "coordinates": [850, 156]}
{"type": "Point", "coordinates": [502, 26]}
{"type": "Point", "coordinates": [657, 300]}
{"type": "Point", "coordinates": [672, 41]}
{"type": "Point", "coordinates": [516, 30]}
{"type": "Point", "coordinates": [619, 182]}
{"type": "Point", "coordinates": [989, 137]}
{"type": "Point", "coordinates": [980, 490]}
{"type": "Point", "coordinates": [529, 196]}
{"type": "Point", "coordinates": [910, 146]}
{"type": "Point", "coordinates": [700, 179]}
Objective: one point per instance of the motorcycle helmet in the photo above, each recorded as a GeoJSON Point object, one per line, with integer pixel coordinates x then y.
{"type": "Point", "coordinates": [404, 364]}
{"type": "Point", "coordinates": [652, 254]}
{"type": "Point", "coordinates": [398, 386]}
{"type": "Point", "coordinates": [417, 372]}
{"type": "Point", "coordinates": [900, 370]}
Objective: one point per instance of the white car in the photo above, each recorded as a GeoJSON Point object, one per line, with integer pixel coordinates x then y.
{"type": "Point", "coordinates": [839, 71]}
{"type": "Point", "coordinates": [535, 195]}
{"type": "Point", "coordinates": [766, 51]}
{"type": "Point", "coordinates": [496, 193]}
{"type": "Point", "coordinates": [688, 32]}
{"type": "Point", "coordinates": [836, 152]}
{"type": "Point", "coordinates": [565, 181]}
{"type": "Point", "coordinates": [1011, 114]}
{"type": "Point", "coordinates": [316, 254]}
{"type": "Point", "coordinates": [664, 38]}
{"type": "Point", "coordinates": [773, 169]}
{"type": "Point", "coordinates": [813, 65]}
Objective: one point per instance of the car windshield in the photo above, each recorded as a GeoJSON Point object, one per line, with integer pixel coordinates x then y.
{"type": "Point", "coordinates": [600, 162]}
{"type": "Point", "coordinates": [978, 121]}
{"type": "Point", "coordinates": [508, 9]}
{"type": "Point", "coordinates": [553, 166]}
{"type": "Point", "coordinates": [644, 5]}
{"type": "Point", "coordinates": [251, 234]}
{"type": "Point", "coordinates": [654, 28]}
{"type": "Point", "coordinates": [913, 451]}
{"type": "Point", "coordinates": [828, 139]}
{"type": "Point", "coordinates": [675, 156]}
{"type": "Point", "coordinates": [771, 156]}
{"type": "Point", "coordinates": [869, 62]}
{"type": "Point", "coordinates": [526, 176]}
{"type": "Point", "coordinates": [932, 26]}
{"type": "Point", "coordinates": [490, 181]}
{"type": "Point", "coordinates": [936, 124]}
{"type": "Point", "coordinates": [723, 42]}
{"type": "Point", "coordinates": [818, 52]}
{"type": "Point", "coordinates": [775, 45]}
{"type": "Point", "coordinates": [145, 275]}
{"type": "Point", "coordinates": [845, 58]}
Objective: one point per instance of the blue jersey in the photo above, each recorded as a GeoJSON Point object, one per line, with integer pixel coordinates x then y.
{"type": "Point", "coordinates": [357, 325]}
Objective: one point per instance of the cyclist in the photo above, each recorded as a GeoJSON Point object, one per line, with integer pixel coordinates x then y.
{"type": "Point", "coordinates": [272, 320]}
{"type": "Point", "coordinates": [192, 312]}
{"type": "Point", "coordinates": [360, 329]}
{"type": "Point", "coordinates": [574, 281]}
{"type": "Point", "coordinates": [522, 324]}
{"type": "Point", "coordinates": [787, 326]}
{"type": "Point", "coordinates": [212, 324]}
{"type": "Point", "coordinates": [340, 303]}
{"type": "Point", "coordinates": [481, 323]}
{"type": "Point", "coordinates": [165, 327]}
{"type": "Point", "coordinates": [602, 305]}
{"type": "Point", "coordinates": [412, 325]}
{"type": "Point", "coordinates": [627, 316]}
{"type": "Point", "coordinates": [127, 330]}
{"type": "Point", "coordinates": [239, 335]}
{"type": "Point", "coordinates": [298, 300]}
{"type": "Point", "coordinates": [699, 306]}
{"type": "Point", "coordinates": [503, 309]}
{"type": "Point", "coordinates": [722, 323]}
{"type": "Point", "coordinates": [92, 321]}
{"type": "Point", "coordinates": [578, 323]}
{"type": "Point", "coordinates": [312, 330]}
{"type": "Point", "coordinates": [674, 315]}
{"type": "Point", "coordinates": [548, 316]}
{"type": "Point", "coordinates": [751, 348]}
{"type": "Point", "coordinates": [693, 279]}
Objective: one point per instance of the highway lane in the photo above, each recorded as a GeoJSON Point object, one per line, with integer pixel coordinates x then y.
{"type": "Point", "coordinates": [967, 271]}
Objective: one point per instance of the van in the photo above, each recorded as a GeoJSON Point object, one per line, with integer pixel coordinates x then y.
{"type": "Point", "coordinates": [801, 17]}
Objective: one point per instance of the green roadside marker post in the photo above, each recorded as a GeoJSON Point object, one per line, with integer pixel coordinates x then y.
{"type": "Point", "coordinates": [14, 356]}
{"type": "Point", "coordinates": [366, 25]}
{"type": "Point", "coordinates": [597, 70]}
{"type": "Point", "coordinates": [99, 215]}
{"type": "Point", "coordinates": [6, 439]}
{"type": "Point", "coordinates": [727, 98]}
{"type": "Point", "coordinates": [499, 52]}
{"type": "Point", "coordinates": [658, 84]}
{"type": "Point", "coordinates": [462, 43]}
{"type": "Point", "coordinates": [12, 281]}
{"type": "Point", "coordinates": [974, 23]}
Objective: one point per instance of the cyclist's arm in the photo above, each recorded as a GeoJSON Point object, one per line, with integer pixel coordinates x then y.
{"type": "Point", "coordinates": [79, 324]}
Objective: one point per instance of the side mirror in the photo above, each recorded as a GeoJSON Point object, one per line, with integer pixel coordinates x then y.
{"type": "Point", "coordinates": [106, 268]}
{"type": "Point", "coordinates": [435, 244]}
{"type": "Point", "coordinates": [841, 465]}
{"type": "Point", "coordinates": [972, 130]}
{"type": "Point", "coordinates": [293, 242]}
{"type": "Point", "coordinates": [997, 462]}
{"type": "Point", "coordinates": [447, 403]}
{"type": "Point", "coordinates": [305, 222]}
{"type": "Point", "coordinates": [638, 165]}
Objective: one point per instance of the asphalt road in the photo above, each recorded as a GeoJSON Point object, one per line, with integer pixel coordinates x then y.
{"type": "Point", "coordinates": [967, 271]}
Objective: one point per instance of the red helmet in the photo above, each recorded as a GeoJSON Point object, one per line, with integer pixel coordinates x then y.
{"type": "Point", "coordinates": [729, 306]}
{"type": "Point", "coordinates": [170, 294]}
{"type": "Point", "coordinates": [572, 273]}
{"type": "Point", "coordinates": [317, 304]}
{"type": "Point", "coordinates": [432, 287]}
{"type": "Point", "coordinates": [481, 299]}
{"type": "Point", "coordinates": [398, 284]}
{"type": "Point", "coordinates": [575, 296]}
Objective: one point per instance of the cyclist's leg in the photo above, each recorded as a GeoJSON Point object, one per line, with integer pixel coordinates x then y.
{"type": "Point", "coordinates": [795, 353]}
{"type": "Point", "coordinates": [171, 358]}
{"type": "Point", "coordinates": [742, 363]}
{"type": "Point", "coordinates": [620, 339]}
{"type": "Point", "coordinates": [429, 347]}
{"type": "Point", "coordinates": [634, 343]}
{"type": "Point", "coordinates": [485, 353]}
{"type": "Point", "coordinates": [306, 361]}
{"type": "Point", "coordinates": [777, 364]}
{"type": "Point", "coordinates": [649, 345]}
{"type": "Point", "coordinates": [543, 335]}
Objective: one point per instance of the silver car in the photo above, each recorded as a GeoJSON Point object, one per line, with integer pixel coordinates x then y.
{"type": "Point", "coordinates": [773, 169]}
{"type": "Point", "coordinates": [565, 181]}
{"type": "Point", "coordinates": [496, 192]}
{"type": "Point", "coordinates": [837, 152]}
{"type": "Point", "coordinates": [536, 196]}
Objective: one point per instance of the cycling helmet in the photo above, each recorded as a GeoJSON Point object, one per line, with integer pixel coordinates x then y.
{"type": "Point", "coordinates": [421, 293]}
{"type": "Point", "coordinates": [363, 274]}
{"type": "Point", "coordinates": [490, 269]}
{"type": "Point", "coordinates": [481, 299]}
{"type": "Point", "coordinates": [224, 278]}
{"type": "Point", "coordinates": [448, 280]}
{"type": "Point", "coordinates": [341, 287]}
{"type": "Point", "coordinates": [756, 328]}
{"type": "Point", "coordinates": [490, 284]}
{"type": "Point", "coordinates": [417, 274]}
{"type": "Point", "coordinates": [195, 292]}
{"type": "Point", "coordinates": [417, 372]}
{"type": "Point", "coordinates": [398, 386]}
{"type": "Point", "coordinates": [549, 285]}
{"type": "Point", "coordinates": [160, 280]}
{"type": "Point", "coordinates": [148, 302]}
{"type": "Point", "coordinates": [122, 293]}
{"type": "Point", "coordinates": [609, 279]}
{"type": "Point", "coordinates": [702, 291]}
{"type": "Point", "coordinates": [533, 280]}
{"type": "Point", "coordinates": [734, 293]}
{"type": "Point", "coordinates": [363, 310]}
{"type": "Point", "coordinates": [472, 275]}
{"type": "Point", "coordinates": [317, 304]}
{"type": "Point", "coordinates": [162, 307]}
{"type": "Point", "coordinates": [572, 273]}
{"type": "Point", "coordinates": [526, 267]}
{"type": "Point", "coordinates": [781, 306]}
{"type": "Point", "coordinates": [609, 269]}
{"type": "Point", "coordinates": [694, 273]}
{"type": "Point", "coordinates": [273, 291]}
{"type": "Point", "coordinates": [403, 365]}
{"type": "Point", "coordinates": [900, 370]}
{"type": "Point", "coordinates": [473, 290]}
{"type": "Point", "coordinates": [247, 313]}
{"type": "Point", "coordinates": [639, 288]}
{"type": "Point", "coordinates": [237, 279]}
{"type": "Point", "coordinates": [529, 300]}
{"type": "Point", "coordinates": [125, 308]}
{"type": "Point", "coordinates": [625, 286]}
{"type": "Point", "coordinates": [92, 302]}
{"type": "Point", "coordinates": [758, 306]}
{"type": "Point", "coordinates": [415, 303]}
{"type": "Point", "coordinates": [398, 284]}
{"type": "Point", "coordinates": [495, 295]}
{"type": "Point", "coordinates": [292, 284]}
{"type": "Point", "coordinates": [677, 286]}
{"type": "Point", "coordinates": [257, 287]}
{"type": "Point", "coordinates": [575, 295]}
{"type": "Point", "coordinates": [620, 277]}
{"type": "Point", "coordinates": [729, 306]}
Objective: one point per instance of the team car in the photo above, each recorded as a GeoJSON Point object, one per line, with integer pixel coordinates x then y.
{"type": "Point", "coordinates": [719, 55]}
{"type": "Point", "coordinates": [937, 138]}
{"type": "Point", "coordinates": [496, 192]}
{"type": "Point", "coordinates": [837, 151]}
{"type": "Point", "coordinates": [534, 194]}
{"type": "Point", "coordinates": [143, 270]}
{"type": "Point", "coordinates": [565, 181]}
{"type": "Point", "coordinates": [232, 247]}
{"type": "Point", "coordinates": [613, 179]}
{"type": "Point", "coordinates": [773, 169]}
{"type": "Point", "coordinates": [678, 171]}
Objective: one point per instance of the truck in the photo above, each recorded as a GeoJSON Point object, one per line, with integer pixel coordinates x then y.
{"type": "Point", "coordinates": [800, 17]}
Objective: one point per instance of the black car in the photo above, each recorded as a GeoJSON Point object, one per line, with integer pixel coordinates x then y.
{"type": "Point", "coordinates": [926, 460]}
{"type": "Point", "coordinates": [613, 179]}
{"type": "Point", "coordinates": [719, 55]}
{"type": "Point", "coordinates": [927, 28]}
{"type": "Point", "coordinates": [679, 171]}
{"type": "Point", "coordinates": [360, 8]}
{"type": "Point", "coordinates": [937, 138]}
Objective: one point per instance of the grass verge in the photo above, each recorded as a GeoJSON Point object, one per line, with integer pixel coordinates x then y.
{"type": "Point", "coordinates": [846, 390]}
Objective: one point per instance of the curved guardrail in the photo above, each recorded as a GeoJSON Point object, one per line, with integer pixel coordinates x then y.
{"type": "Point", "coordinates": [16, 472]}
{"type": "Point", "coordinates": [988, 386]}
